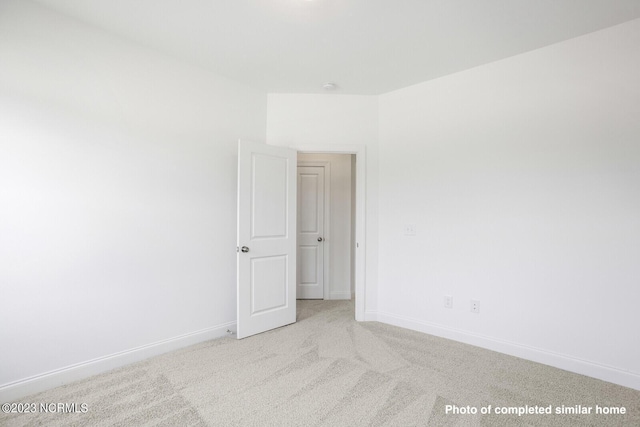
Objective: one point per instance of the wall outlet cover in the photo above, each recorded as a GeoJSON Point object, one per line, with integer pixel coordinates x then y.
{"type": "Point", "coordinates": [409, 229]}
{"type": "Point", "coordinates": [475, 306]}
{"type": "Point", "coordinates": [448, 301]}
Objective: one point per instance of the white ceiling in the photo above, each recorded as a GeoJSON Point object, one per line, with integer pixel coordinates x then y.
{"type": "Point", "coordinates": [364, 46]}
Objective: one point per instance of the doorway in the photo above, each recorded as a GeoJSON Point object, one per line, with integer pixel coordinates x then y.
{"type": "Point", "coordinates": [264, 172]}
{"type": "Point", "coordinates": [359, 153]}
{"type": "Point", "coordinates": [326, 226]}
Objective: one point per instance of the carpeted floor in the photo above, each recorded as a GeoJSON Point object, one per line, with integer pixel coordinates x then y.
{"type": "Point", "coordinates": [328, 370]}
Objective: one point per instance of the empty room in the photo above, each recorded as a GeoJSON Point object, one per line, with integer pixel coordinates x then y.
{"type": "Point", "coordinates": [319, 212]}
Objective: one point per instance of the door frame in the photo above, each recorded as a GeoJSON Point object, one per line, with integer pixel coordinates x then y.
{"type": "Point", "coordinates": [326, 244]}
{"type": "Point", "coordinates": [360, 218]}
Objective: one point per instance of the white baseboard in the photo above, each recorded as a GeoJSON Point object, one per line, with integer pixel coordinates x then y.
{"type": "Point", "coordinates": [35, 384]}
{"type": "Point", "coordinates": [340, 295]}
{"type": "Point", "coordinates": [561, 361]}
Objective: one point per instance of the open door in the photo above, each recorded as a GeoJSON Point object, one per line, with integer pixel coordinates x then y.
{"type": "Point", "coordinates": [266, 259]}
{"type": "Point", "coordinates": [311, 210]}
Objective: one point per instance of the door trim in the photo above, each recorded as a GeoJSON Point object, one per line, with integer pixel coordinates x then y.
{"type": "Point", "coordinates": [326, 244]}
{"type": "Point", "coordinates": [361, 212]}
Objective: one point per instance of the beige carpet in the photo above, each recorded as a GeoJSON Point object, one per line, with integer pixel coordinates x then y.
{"type": "Point", "coordinates": [328, 370]}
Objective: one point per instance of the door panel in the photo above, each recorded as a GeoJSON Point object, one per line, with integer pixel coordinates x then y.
{"type": "Point", "coordinates": [266, 261]}
{"type": "Point", "coordinates": [268, 196]}
{"type": "Point", "coordinates": [268, 284]}
{"type": "Point", "coordinates": [308, 256]}
{"type": "Point", "coordinates": [308, 201]}
{"type": "Point", "coordinates": [310, 278]}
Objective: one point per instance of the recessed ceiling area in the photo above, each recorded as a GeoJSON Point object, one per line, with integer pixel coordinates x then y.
{"type": "Point", "coordinates": [365, 47]}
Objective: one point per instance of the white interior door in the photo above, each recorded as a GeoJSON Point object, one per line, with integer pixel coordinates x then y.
{"type": "Point", "coordinates": [266, 258]}
{"type": "Point", "coordinates": [310, 277]}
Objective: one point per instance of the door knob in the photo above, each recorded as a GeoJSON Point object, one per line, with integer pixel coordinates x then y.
{"type": "Point", "coordinates": [245, 249]}
{"type": "Point", "coordinates": [319, 239]}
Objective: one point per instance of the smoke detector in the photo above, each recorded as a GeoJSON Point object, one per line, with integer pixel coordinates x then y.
{"type": "Point", "coordinates": [329, 86]}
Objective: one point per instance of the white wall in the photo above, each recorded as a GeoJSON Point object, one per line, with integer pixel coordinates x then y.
{"type": "Point", "coordinates": [306, 119]}
{"type": "Point", "coordinates": [340, 236]}
{"type": "Point", "coordinates": [523, 180]}
{"type": "Point", "coordinates": [118, 198]}
{"type": "Point", "coordinates": [118, 185]}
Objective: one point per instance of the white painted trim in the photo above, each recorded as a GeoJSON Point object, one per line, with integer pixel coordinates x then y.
{"type": "Point", "coordinates": [327, 223]}
{"type": "Point", "coordinates": [568, 363]}
{"type": "Point", "coordinates": [48, 380]}
{"type": "Point", "coordinates": [361, 211]}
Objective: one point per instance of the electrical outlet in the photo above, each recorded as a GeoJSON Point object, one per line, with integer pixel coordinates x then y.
{"type": "Point", "coordinates": [448, 301]}
{"type": "Point", "coordinates": [475, 306]}
{"type": "Point", "coordinates": [409, 229]}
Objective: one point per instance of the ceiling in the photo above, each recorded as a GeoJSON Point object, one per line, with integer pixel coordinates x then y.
{"type": "Point", "coordinates": [365, 47]}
